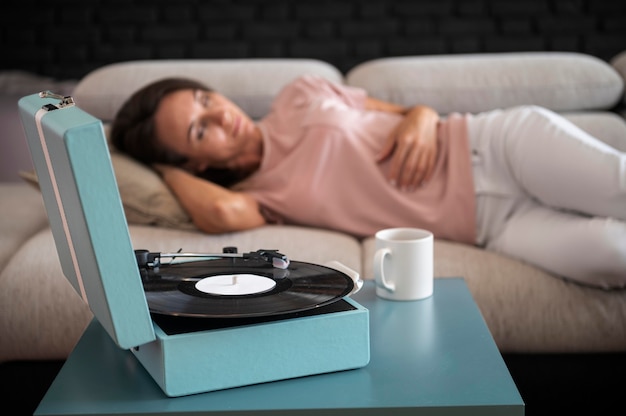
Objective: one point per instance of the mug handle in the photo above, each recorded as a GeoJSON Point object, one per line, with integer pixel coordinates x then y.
{"type": "Point", "coordinates": [379, 273]}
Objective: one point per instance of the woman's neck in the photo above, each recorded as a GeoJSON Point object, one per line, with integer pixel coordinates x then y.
{"type": "Point", "coordinates": [249, 160]}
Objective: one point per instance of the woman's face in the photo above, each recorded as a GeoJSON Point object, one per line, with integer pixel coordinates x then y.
{"type": "Point", "coordinates": [206, 128]}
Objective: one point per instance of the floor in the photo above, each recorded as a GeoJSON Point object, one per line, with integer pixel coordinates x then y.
{"type": "Point", "coordinates": [578, 384]}
{"type": "Point", "coordinates": [23, 384]}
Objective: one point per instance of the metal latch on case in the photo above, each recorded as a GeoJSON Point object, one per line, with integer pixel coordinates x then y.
{"type": "Point", "coordinates": [65, 100]}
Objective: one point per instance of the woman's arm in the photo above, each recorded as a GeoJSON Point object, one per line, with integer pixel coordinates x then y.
{"type": "Point", "coordinates": [412, 145]}
{"type": "Point", "coordinates": [212, 208]}
{"type": "Point", "coordinates": [379, 105]}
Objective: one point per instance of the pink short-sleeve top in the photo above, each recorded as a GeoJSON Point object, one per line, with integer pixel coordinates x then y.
{"type": "Point", "coordinates": [319, 167]}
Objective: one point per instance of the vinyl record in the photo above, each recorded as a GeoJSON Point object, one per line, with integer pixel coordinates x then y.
{"type": "Point", "coordinates": [240, 288]}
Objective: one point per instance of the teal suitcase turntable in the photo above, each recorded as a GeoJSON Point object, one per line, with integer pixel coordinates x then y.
{"type": "Point", "coordinates": [225, 320]}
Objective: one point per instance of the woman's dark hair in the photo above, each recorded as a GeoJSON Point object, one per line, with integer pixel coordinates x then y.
{"type": "Point", "coordinates": [132, 130]}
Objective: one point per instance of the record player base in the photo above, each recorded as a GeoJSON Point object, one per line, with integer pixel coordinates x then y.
{"type": "Point", "coordinates": [434, 356]}
{"type": "Point", "coordinates": [196, 359]}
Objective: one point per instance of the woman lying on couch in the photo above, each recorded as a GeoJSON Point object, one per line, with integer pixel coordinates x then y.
{"type": "Point", "coordinates": [523, 181]}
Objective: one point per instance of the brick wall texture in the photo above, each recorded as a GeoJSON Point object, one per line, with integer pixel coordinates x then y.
{"type": "Point", "coordinates": [65, 39]}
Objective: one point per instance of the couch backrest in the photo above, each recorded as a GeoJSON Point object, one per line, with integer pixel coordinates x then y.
{"type": "Point", "coordinates": [250, 83]}
{"type": "Point", "coordinates": [466, 83]}
{"type": "Point", "coordinates": [478, 82]}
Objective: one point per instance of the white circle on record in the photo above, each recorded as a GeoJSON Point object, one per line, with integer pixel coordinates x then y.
{"type": "Point", "coordinates": [235, 284]}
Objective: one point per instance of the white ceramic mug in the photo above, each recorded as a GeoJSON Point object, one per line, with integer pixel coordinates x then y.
{"type": "Point", "coordinates": [403, 263]}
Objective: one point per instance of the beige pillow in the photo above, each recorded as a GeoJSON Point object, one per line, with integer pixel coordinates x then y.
{"type": "Point", "coordinates": [145, 197]}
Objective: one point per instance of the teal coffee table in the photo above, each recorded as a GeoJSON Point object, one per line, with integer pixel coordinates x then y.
{"type": "Point", "coordinates": [429, 357]}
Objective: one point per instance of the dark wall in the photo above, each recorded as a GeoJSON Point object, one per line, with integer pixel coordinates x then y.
{"type": "Point", "coordinates": [68, 38]}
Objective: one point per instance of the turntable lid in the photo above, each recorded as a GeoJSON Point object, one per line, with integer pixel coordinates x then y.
{"type": "Point", "coordinates": [75, 174]}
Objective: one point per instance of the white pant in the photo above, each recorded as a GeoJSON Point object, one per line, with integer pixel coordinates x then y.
{"type": "Point", "coordinates": [550, 194]}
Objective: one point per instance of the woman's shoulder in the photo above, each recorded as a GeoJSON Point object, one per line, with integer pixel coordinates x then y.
{"type": "Point", "coordinates": [307, 88]}
{"type": "Point", "coordinates": [311, 81]}
{"type": "Point", "coordinates": [299, 92]}
{"type": "Point", "coordinates": [308, 84]}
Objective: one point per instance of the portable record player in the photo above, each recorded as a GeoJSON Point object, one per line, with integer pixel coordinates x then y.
{"type": "Point", "coordinates": [196, 324]}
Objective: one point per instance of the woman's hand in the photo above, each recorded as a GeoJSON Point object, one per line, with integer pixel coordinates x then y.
{"type": "Point", "coordinates": [212, 208]}
{"type": "Point", "coordinates": [412, 148]}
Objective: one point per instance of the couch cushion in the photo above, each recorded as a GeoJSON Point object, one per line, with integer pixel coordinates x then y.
{"type": "Point", "coordinates": [477, 82]}
{"type": "Point", "coordinates": [22, 214]}
{"type": "Point", "coordinates": [527, 309]}
{"type": "Point", "coordinates": [42, 315]}
{"type": "Point", "coordinates": [250, 83]}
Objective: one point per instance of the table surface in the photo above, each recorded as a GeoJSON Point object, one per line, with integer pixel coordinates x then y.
{"type": "Point", "coordinates": [433, 356]}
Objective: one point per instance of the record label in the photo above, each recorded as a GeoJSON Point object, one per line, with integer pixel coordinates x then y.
{"type": "Point", "coordinates": [235, 284]}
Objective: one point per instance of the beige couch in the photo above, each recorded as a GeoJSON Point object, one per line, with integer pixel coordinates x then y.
{"type": "Point", "coordinates": [526, 309]}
